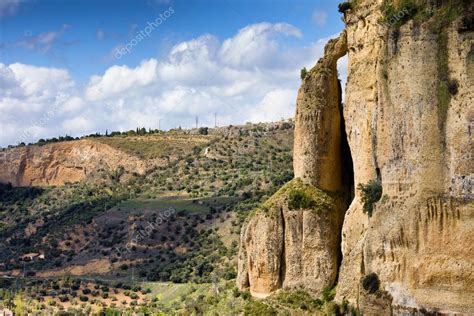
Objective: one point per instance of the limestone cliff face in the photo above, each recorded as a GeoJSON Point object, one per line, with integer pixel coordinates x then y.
{"type": "Point", "coordinates": [58, 163]}
{"type": "Point", "coordinates": [317, 149]}
{"type": "Point", "coordinates": [409, 120]}
{"type": "Point", "coordinates": [290, 248]}
{"type": "Point", "coordinates": [289, 243]}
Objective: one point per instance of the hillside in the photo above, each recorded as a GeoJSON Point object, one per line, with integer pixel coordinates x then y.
{"type": "Point", "coordinates": [176, 220]}
{"type": "Point", "coordinates": [363, 205]}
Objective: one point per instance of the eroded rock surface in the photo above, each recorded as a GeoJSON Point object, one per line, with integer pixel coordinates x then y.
{"type": "Point", "coordinates": [317, 149]}
{"type": "Point", "coordinates": [409, 121]}
{"type": "Point", "coordinates": [290, 243]}
{"type": "Point", "coordinates": [56, 164]}
{"type": "Point", "coordinates": [404, 130]}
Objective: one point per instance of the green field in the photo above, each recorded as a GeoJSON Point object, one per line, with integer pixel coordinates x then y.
{"type": "Point", "coordinates": [187, 205]}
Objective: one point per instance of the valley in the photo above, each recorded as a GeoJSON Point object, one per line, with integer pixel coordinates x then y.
{"type": "Point", "coordinates": [172, 228]}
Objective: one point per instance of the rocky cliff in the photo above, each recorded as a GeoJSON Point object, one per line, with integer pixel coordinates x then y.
{"type": "Point", "coordinates": [292, 241]}
{"type": "Point", "coordinates": [408, 117]}
{"type": "Point", "coordinates": [58, 163]}
{"type": "Point", "coordinates": [72, 161]}
{"type": "Point", "coordinates": [292, 245]}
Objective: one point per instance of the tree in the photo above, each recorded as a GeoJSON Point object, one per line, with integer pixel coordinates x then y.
{"type": "Point", "coordinates": [371, 193]}
{"type": "Point", "coordinates": [303, 73]}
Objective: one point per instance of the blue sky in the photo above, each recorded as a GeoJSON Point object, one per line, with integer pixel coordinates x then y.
{"type": "Point", "coordinates": [239, 59]}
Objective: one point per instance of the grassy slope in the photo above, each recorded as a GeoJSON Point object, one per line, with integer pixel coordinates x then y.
{"type": "Point", "coordinates": [154, 146]}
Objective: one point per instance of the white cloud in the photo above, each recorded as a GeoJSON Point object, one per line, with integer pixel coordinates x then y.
{"type": "Point", "coordinates": [189, 60]}
{"type": "Point", "coordinates": [40, 82]}
{"type": "Point", "coordinates": [8, 7]}
{"type": "Point", "coordinates": [10, 86]}
{"type": "Point", "coordinates": [276, 104]}
{"type": "Point", "coordinates": [255, 45]}
{"type": "Point", "coordinates": [342, 66]}
{"type": "Point", "coordinates": [121, 78]}
{"type": "Point", "coordinates": [41, 42]}
{"type": "Point", "coordinates": [72, 105]}
{"type": "Point", "coordinates": [30, 97]}
{"type": "Point", "coordinates": [77, 124]}
{"type": "Point", "coordinates": [251, 76]}
{"type": "Point", "coordinates": [320, 17]}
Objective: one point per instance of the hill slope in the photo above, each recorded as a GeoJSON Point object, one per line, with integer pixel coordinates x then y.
{"type": "Point", "coordinates": [177, 219]}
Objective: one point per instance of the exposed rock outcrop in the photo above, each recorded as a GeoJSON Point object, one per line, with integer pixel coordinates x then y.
{"type": "Point", "coordinates": [290, 248]}
{"type": "Point", "coordinates": [317, 149]}
{"type": "Point", "coordinates": [409, 121]}
{"type": "Point", "coordinates": [72, 161]}
{"type": "Point", "coordinates": [290, 241]}
{"type": "Point", "coordinates": [58, 163]}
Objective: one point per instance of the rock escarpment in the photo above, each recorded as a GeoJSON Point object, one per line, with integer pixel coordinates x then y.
{"type": "Point", "coordinates": [56, 164]}
{"type": "Point", "coordinates": [291, 247]}
{"type": "Point", "coordinates": [409, 122]}
{"type": "Point", "coordinates": [290, 241]}
{"type": "Point", "coordinates": [409, 118]}
{"type": "Point", "coordinates": [317, 150]}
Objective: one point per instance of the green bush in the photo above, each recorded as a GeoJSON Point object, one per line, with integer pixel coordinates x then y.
{"type": "Point", "coordinates": [396, 16]}
{"type": "Point", "coordinates": [230, 274]}
{"type": "Point", "coordinates": [344, 6]}
{"type": "Point", "coordinates": [371, 193]}
{"type": "Point", "coordinates": [299, 199]}
{"type": "Point", "coordinates": [329, 293]}
{"type": "Point", "coordinates": [453, 87]}
{"type": "Point", "coordinates": [246, 295]}
{"type": "Point", "coordinates": [299, 300]}
{"type": "Point", "coordinates": [303, 73]}
{"type": "Point", "coordinates": [203, 131]}
{"type": "Point", "coordinates": [124, 267]}
{"type": "Point", "coordinates": [258, 308]}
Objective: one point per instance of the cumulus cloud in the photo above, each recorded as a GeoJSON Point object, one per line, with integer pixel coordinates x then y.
{"type": "Point", "coordinates": [30, 99]}
{"type": "Point", "coordinates": [342, 67]}
{"type": "Point", "coordinates": [252, 76]}
{"type": "Point", "coordinates": [40, 83]}
{"type": "Point", "coordinates": [255, 45]}
{"type": "Point", "coordinates": [77, 124]}
{"type": "Point", "coordinates": [121, 78]}
{"type": "Point", "coordinates": [188, 61]}
{"type": "Point", "coordinates": [276, 104]}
